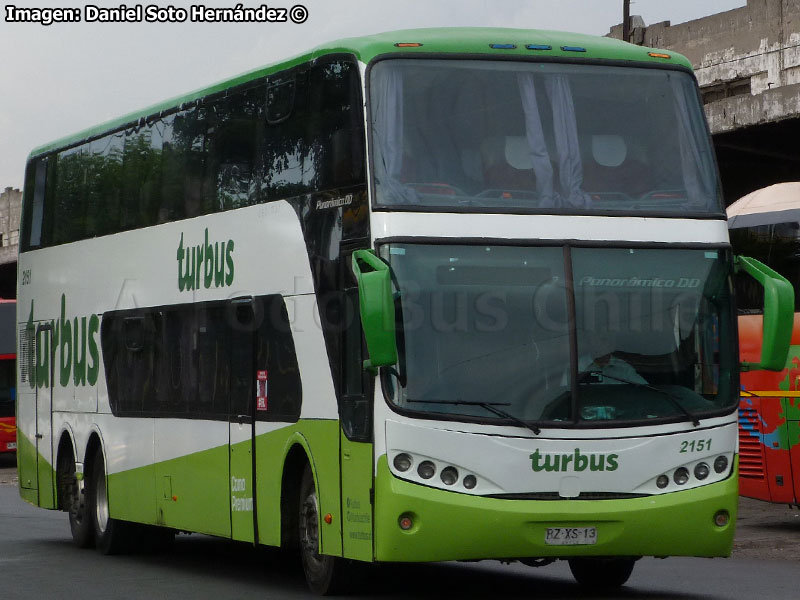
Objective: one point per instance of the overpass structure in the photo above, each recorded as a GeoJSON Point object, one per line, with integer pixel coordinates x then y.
{"type": "Point", "coordinates": [747, 63]}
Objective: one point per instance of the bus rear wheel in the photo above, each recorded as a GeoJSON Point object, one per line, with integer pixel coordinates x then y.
{"type": "Point", "coordinates": [324, 574]}
{"type": "Point", "coordinates": [601, 572]}
{"type": "Point", "coordinates": [76, 504]}
{"type": "Point", "coordinates": [111, 536]}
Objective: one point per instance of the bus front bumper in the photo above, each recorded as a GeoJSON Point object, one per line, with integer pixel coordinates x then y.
{"type": "Point", "coordinates": [452, 526]}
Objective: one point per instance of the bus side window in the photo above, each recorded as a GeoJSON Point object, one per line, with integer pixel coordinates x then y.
{"type": "Point", "coordinates": [34, 207]}
{"type": "Point", "coordinates": [334, 129]}
{"type": "Point", "coordinates": [354, 407]}
{"type": "Point", "coordinates": [276, 352]}
{"type": "Point", "coordinates": [236, 121]}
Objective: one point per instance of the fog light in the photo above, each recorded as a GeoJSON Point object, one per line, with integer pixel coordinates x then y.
{"type": "Point", "coordinates": [470, 482]}
{"type": "Point", "coordinates": [405, 522]}
{"type": "Point", "coordinates": [721, 518]}
{"type": "Point", "coordinates": [426, 469]}
{"type": "Point", "coordinates": [402, 462]}
{"type": "Point", "coordinates": [662, 481]}
{"type": "Point", "coordinates": [701, 471]}
{"type": "Point", "coordinates": [681, 476]}
{"type": "Point", "coordinates": [449, 475]}
{"type": "Point", "coordinates": [721, 464]}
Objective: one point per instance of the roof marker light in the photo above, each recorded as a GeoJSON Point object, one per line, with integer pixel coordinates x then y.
{"type": "Point", "coordinates": [503, 46]}
{"type": "Point", "coordinates": [539, 47]}
{"type": "Point", "coordinates": [573, 49]}
{"type": "Point", "coordinates": [658, 55]}
{"type": "Point", "coordinates": [408, 45]}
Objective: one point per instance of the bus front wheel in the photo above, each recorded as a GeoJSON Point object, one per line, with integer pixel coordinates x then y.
{"type": "Point", "coordinates": [601, 572]}
{"type": "Point", "coordinates": [323, 573]}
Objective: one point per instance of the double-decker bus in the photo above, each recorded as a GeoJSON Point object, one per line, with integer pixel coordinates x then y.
{"type": "Point", "coordinates": [8, 377]}
{"type": "Point", "coordinates": [445, 294]}
{"type": "Point", "coordinates": [765, 224]}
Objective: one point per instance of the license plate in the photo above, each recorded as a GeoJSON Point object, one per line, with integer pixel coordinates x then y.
{"type": "Point", "coordinates": [11, 446]}
{"type": "Point", "coordinates": [570, 536]}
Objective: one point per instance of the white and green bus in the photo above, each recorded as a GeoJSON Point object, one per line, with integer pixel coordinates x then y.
{"type": "Point", "coordinates": [445, 294]}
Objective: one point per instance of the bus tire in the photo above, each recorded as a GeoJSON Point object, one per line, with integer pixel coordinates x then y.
{"type": "Point", "coordinates": [76, 504]}
{"type": "Point", "coordinates": [111, 536]}
{"type": "Point", "coordinates": [324, 574]}
{"type": "Point", "coordinates": [601, 572]}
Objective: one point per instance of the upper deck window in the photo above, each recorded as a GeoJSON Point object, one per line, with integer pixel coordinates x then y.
{"type": "Point", "coordinates": [539, 137]}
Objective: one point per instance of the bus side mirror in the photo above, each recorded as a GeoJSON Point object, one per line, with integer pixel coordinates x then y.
{"type": "Point", "coordinates": [376, 306]}
{"type": "Point", "coordinates": [778, 318]}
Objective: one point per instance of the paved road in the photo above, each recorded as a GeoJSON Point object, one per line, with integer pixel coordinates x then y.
{"type": "Point", "coordinates": [39, 562]}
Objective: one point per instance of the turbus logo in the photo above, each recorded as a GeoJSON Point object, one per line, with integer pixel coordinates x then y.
{"type": "Point", "coordinates": [205, 265]}
{"type": "Point", "coordinates": [75, 349]}
{"type": "Point", "coordinates": [575, 461]}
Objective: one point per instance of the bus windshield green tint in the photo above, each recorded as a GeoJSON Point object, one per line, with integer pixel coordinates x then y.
{"type": "Point", "coordinates": [777, 245]}
{"type": "Point", "coordinates": [653, 333]}
{"type": "Point", "coordinates": [539, 137]}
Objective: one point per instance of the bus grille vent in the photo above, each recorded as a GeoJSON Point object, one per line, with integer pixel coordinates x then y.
{"type": "Point", "coordinates": [27, 352]}
{"type": "Point", "coordinates": [751, 450]}
{"type": "Point", "coordinates": [556, 496]}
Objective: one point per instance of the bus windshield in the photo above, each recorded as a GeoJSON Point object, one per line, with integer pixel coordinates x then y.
{"type": "Point", "coordinates": [539, 137]}
{"type": "Point", "coordinates": [481, 325]}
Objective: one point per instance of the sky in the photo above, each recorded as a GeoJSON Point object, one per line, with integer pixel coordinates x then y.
{"type": "Point", "coordinates": [60, 79]}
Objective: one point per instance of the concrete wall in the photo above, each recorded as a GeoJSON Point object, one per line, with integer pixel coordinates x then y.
{"type": "Point", "coordinates": [10, 210]}
{"type": "Point", "coordinates": [747, 60]}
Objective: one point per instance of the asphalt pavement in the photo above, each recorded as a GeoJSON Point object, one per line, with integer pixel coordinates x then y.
{"type": "Point", "coordinates": [39, 562]}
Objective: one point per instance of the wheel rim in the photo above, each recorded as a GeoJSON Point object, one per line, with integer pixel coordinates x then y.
{"type": "Point", "coordinates": [309, 533]}
{"type": "Point", "coordinates": [101, 503]}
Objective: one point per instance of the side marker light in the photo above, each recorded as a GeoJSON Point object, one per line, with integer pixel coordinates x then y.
{"type": "Point", "coordinates": [658, 55]}
{"type": "Point", "coordinates": [328, 518]}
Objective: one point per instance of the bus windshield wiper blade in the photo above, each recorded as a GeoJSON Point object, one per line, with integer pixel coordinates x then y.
{"type": "Point", "coordinates": [671, 397]}
{"type": "Point", "coordinates": [490, 406]}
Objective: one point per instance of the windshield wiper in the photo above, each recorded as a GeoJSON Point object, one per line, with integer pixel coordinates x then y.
{"type": "Point", "coordinates": [672, 398]}
{"type": "Point", "coordinates": [490, 406]}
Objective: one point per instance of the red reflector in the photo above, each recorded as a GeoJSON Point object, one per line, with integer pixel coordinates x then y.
{"type": "Point", "coordinates": [406, 523]}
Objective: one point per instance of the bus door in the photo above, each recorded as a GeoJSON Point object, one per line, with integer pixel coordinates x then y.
{"type": "Point", "coordinates": [247, 381]}
{"type": "Point", "coordinates": [45, 372]}
{"type": "Point", "coordinates": [27, 401]}
{"type": "Point", "coordinates": [355, 413]}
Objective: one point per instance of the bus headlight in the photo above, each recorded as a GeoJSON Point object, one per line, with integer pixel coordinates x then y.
{"type": "Point", "coordinates": [423, 469]}
{"type": "Point", "coordinates": [426, 469]}
{"type": "Point", "coordinates": [681, 476]}
{"type": "Point", "coordinates": [701, 471]}
{"type": "Point", "coordinates": [449, 476]}
{"type": "Point", "coordinates": [402, 462]}
{"type": "Point", "coordinates": [721, 464]}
